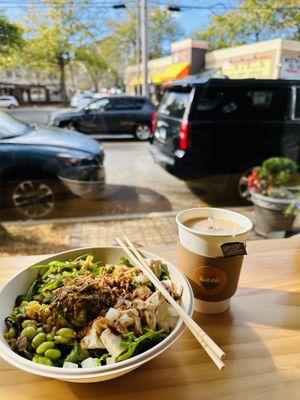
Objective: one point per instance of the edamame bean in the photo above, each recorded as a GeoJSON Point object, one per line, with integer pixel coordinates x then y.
{"type": "Point", "coordinates": [42, 360]}
{"type": "Point", "coordinates": [53, 354]}
{"type": "Point", "coordinates": [66, 332]}
{"type": "Point", "coordinates": [44, 346]}
{"type": "Point", "coordinates": [39, 330]}
{"type": "Point", "coordinates": [61, 340]}
{"type": "Point", "coordinates": [12, 332]}
{"type": "Point", "coordinates": [29, 332]}
{"type": "Point", "coordinates": [28, 322]}
{"type": "Point", "coordinates": [38, 339]}
{"type": "Point", "coordinates": [50, 336]}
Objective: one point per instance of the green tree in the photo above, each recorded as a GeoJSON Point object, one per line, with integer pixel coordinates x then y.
{"type": "Point", "coordinates": [94, 63]}
{"type": "Point", "coordinates": [11, 39]}
{"type": "Point", "coordinates": [162, 30]}
{"type": "Point", "coordinates": [55, 32]}
{"type": "Point", "coordinates": [253, 21]}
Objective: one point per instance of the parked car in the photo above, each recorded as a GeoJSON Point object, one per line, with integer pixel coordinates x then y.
{"type": "Point", "coordinates": [31, 160]}
{"type": "Point", "coordinates": [8, 102]}
{"type": "Point", "coordinates": [225, 126]}
{"type": "Point", "coordinates": [110, 115]}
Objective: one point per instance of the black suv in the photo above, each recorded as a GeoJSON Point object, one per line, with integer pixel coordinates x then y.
{"type": "Point", "coordinates": [225, 126]}
{"type": "Point", "coordinates": [109, 115]}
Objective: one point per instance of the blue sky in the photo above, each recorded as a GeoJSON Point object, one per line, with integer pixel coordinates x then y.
{"type": "Point", "coordinates": [188, 19]}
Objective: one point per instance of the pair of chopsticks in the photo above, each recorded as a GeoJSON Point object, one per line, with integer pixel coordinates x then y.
{"type": "Point", "coordinates": [211, 348]}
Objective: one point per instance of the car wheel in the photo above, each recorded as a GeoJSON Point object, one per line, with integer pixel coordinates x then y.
{"type": "Point", "coordinates": [142, 132]}
{"type": "Point", "coordinates": [33, 198]}
{"type": "Point", "coordinates": [71, 126]}
{"type": "Point", "coordinates": [11, 106]}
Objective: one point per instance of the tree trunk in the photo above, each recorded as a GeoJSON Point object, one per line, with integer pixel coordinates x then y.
{"type": "Point", "coordinates": [95, 82]}
{"type": "Point", "coordinates": [64, 98]}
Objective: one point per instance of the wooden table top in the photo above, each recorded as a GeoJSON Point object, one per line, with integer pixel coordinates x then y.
{"type": "Point", "coordinates": [260, 335]}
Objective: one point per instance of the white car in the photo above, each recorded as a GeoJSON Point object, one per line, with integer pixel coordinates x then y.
{"type": "Point", "coordinates": [8, 102]}
{"type": "Point", "coordinates": [80, 100]}
{"type": "Point", "coordinates": [83, 99]}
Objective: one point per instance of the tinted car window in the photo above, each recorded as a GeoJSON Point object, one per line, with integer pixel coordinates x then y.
{"type": "Point", "coordinates": [124, 104]}
{"type": "Point", "coordinates": [99, 105]}
{"type": "Point", "coordinates": [297, 105]}
{"type": "Point", "coordinates": [242, 103]}
{"type": "Point", "coordinates": [138, 104]}
{"type": "Point", "coordinates": [174, 103]}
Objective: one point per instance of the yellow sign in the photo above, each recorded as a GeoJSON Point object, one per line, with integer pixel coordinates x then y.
{"type": "Point", "coordinates": [257, 68]}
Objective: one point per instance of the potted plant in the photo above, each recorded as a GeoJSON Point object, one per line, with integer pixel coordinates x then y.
{"type": "Point", "coordinates": [272, 188]}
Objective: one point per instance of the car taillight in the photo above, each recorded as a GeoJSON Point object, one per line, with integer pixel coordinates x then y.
{"type": "Point", "coordinates": [184, 137]}
{"type": "Point", "coordinates": [153, 122]}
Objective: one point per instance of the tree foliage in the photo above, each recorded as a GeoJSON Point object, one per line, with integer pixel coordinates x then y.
{"type": "Point", "coordinates": [55, 32]}
{"type": "Point", "coordinates": [11, 39]}
{"type": "Point", "coordinates": [162, 30]}
{"type": "Point", "coordinates": [253, 21]}
{"type": "Point", "coordinates": [94, 62]}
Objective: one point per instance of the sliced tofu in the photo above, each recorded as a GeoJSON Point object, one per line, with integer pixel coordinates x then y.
{"type": "Point", "coordinates": [111, 342]}
{"type": "Point", "coordinates": [92, 340]}
{"type": "Point", "coordinates": [68, 364]}
{"type": "Point", "coordinates": [91, 363]}
{"type": "Point", "coordinates": [112, 314]}
{"type": "Point", "coordinates": [110, 360]}
{"type": "Point", "coordinates": [154, 300]}
{"type": "Point", "coordinates": [164, 319]}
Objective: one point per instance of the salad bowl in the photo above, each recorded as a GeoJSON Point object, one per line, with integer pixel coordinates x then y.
{"type": "Point", "coordinates": [19, 284]}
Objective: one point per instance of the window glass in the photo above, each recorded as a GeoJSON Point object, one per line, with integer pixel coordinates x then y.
{"type": "Point", "coordinates": [124, 104]}
{"type": "Point", "coordinates": [174, 103]}
{"type": "Point", "coordinates": [9, 126]}
{"type": "Point", "coordinates": [99, 105]}
{"type": "Point", "coordinates": [242, 103]}
{"type": "Point", "coordinates": [297, 105]}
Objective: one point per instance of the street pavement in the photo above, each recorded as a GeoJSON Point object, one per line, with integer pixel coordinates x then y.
{"type": "Point", "coordinates": [134, 183]}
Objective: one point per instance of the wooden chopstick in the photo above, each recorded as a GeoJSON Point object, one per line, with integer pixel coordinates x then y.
{"type": "Point", "coordinates": [214, 351]}
{"type": "Point", "coordinates": [210, 343]}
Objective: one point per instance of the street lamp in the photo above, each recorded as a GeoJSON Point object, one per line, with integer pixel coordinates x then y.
{"type": "Point", "coordinates": [141, 33]}
{"type": "Point", "coordinates": [118, 6]}
{"type": "Point", "coordinates": [174, 8]}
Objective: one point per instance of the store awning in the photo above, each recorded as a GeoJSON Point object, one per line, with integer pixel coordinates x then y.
{"type": "Point", "coordinates": [174, 71]}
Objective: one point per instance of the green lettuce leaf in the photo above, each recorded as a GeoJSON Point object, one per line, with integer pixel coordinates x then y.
{"type": "Point", "coordinates": [133, 346]}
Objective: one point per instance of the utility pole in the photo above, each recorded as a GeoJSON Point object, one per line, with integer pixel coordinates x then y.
{"type": "Point", "coordinates": [138, 48]}
{"type": "Point", "coordinates": [145, 89]}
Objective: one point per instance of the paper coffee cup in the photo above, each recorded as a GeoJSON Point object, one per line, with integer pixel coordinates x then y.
{"type": "Point", "coordinates": [212, 261]}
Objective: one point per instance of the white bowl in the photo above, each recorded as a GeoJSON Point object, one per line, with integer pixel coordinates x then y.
{"type": "Point", "coordinates": [20, 283]}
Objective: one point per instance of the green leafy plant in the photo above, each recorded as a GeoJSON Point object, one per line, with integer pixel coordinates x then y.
{"type": "Point", "coordinates": [278, 171]}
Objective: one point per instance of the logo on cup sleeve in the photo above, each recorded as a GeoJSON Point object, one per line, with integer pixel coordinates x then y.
{"type": "Point", "coordinates": [210, 280]}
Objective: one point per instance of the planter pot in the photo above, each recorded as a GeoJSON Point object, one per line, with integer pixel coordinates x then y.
{"type": "Point", "coordinates": [269, 214]}
{"type": "Point", "coordinates": [84, 181]}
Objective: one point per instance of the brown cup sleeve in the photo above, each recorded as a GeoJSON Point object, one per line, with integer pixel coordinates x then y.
{"type": "Point", "coordinates": [212, 279]}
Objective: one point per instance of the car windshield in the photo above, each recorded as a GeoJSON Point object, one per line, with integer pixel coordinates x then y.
{"type": "Point", "coordinates": [11, 127]}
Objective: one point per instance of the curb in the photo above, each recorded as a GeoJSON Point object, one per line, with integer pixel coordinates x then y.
{"type": "Point", "coordinates": [105, 218]}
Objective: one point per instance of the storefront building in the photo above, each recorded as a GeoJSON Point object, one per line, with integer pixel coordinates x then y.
{"type": "Point", "coordinates": [271, 59]}
{"type": "Point", "coordinates": [187, 58]}
{"type": "Point", "coordinates": [262, 60]}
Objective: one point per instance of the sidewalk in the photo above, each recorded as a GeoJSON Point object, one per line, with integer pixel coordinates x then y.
{"type": "Point", "coordinates": [51, 238]}
{"type": "Point", "coordinates": [149, 231]}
